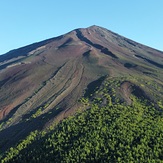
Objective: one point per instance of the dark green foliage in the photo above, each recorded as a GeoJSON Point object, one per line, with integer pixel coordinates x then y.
{"type": "Point", "coordinates": [109, 131]}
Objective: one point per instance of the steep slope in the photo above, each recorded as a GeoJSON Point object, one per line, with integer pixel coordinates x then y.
{"type": "Point", "coordinates": [42, 83]}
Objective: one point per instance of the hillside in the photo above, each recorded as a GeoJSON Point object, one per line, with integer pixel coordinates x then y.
{"type": "Point", "coordinates": [109, 87]}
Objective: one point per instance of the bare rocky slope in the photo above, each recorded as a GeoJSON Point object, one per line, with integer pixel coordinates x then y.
{"type": "Point", "coordinates": [42, 83]}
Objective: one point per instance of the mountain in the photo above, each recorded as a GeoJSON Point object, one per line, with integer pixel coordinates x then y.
{"type": "Point", "coordinates": [45, 84]}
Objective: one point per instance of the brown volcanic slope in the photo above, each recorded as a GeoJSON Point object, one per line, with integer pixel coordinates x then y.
{"type": "Point", "coordinates": [43, 82]}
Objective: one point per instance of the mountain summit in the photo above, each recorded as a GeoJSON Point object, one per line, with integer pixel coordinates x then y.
{"type": "Point", "coordinates": [43, 83]}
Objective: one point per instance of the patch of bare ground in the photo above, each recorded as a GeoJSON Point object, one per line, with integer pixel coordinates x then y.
{"type": "Point", "coordinates": [5, 111]}
{"type": "Point", "coordinates": [73, 83]}
{"type": "Point", "coordinates": [54, 90]}
{"type": "Point", "coordinates": [102, 49]}
{"type": "Point", "coordinates": [126, 89]}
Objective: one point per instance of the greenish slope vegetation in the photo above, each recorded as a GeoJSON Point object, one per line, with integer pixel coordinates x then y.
{"type": "Point", "coordinates": [121, 123]}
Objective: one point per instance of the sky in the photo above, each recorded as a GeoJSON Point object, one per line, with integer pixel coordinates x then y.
{"type": "Point", "coordinates": [23, 22]}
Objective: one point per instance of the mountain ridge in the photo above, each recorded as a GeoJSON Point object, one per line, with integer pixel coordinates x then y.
{"type": "Point", "coordinates": [57, 37]}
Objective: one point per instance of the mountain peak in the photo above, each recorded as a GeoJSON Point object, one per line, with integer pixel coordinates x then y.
{"type": "Point", "coordinates": [95, 26]}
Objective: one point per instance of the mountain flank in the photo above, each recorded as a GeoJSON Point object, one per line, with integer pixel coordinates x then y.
{"type": "Point", "coordinates": [56, 86]}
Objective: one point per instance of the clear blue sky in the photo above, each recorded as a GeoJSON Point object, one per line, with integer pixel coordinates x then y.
{"type": "Point", "coordinates": [23, 22]}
